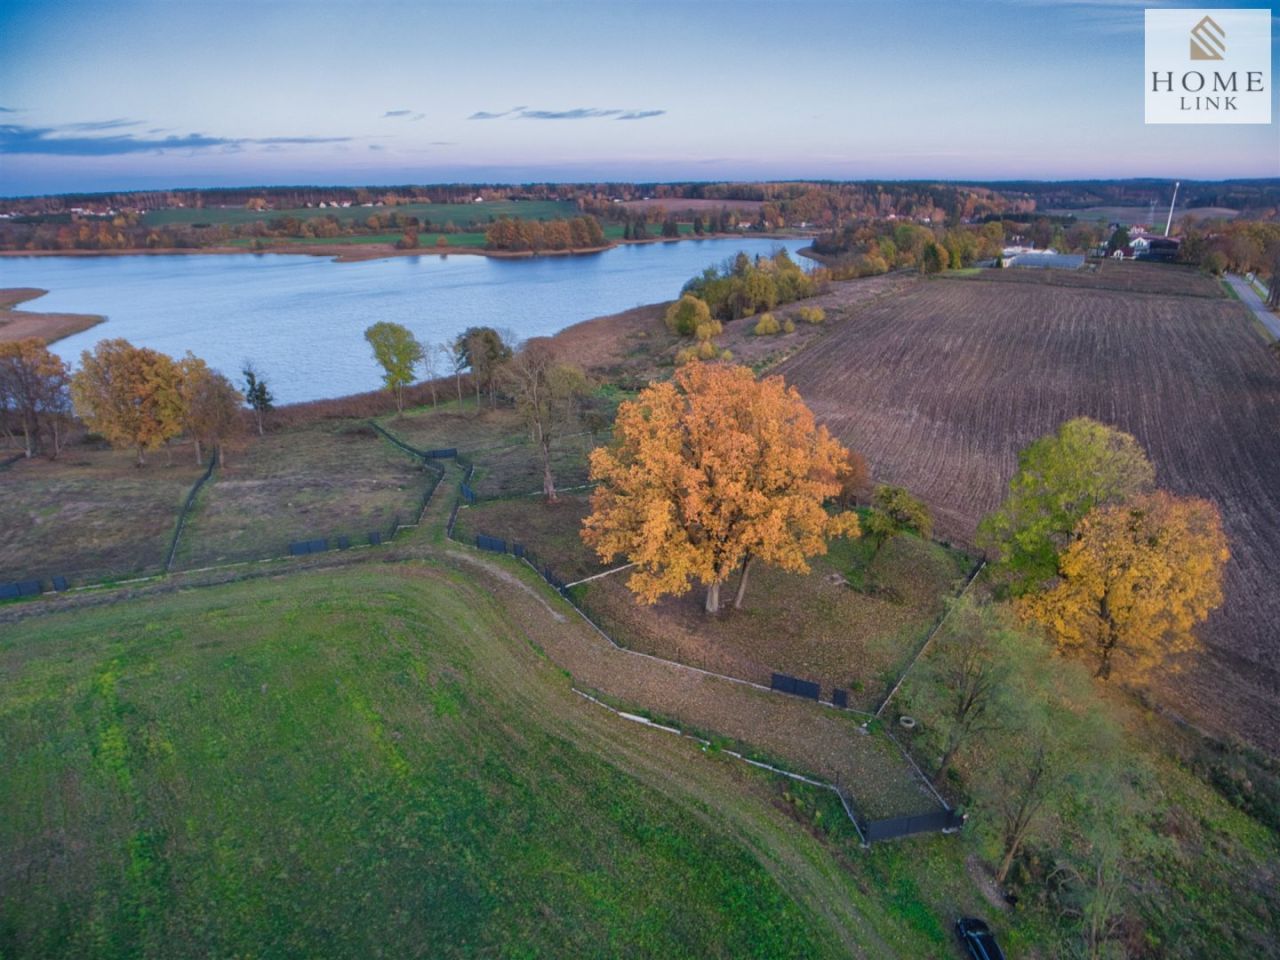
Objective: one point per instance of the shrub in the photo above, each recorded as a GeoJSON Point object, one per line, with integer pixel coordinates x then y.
{"type": "Point", "coordinates": [708, 330]}
{"type": "Point", "coordinates": [685, 355]}
{"type": "Point", "coordinates": [814, 315]}
{"type": "Point", "coordinates": [788, 325]}
{"type": "Point", "coordinates": [686, 315]}
{"type": "Point", "coordinates": [707, 350]}
{"type": "Point", "coordinates": [767, 325]}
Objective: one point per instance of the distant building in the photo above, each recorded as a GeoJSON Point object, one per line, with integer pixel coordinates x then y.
{"type": "Point", "coordinates": [1148, 246]}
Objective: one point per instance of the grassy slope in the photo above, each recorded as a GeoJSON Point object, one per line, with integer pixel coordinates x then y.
{"type": "Point", "coordinates": [366, 763]}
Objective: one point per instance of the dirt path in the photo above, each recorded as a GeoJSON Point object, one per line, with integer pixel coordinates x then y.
{"type": "Point", "coordinates": [1250, 298]}
{"type": "Point", "coordinates": [804, 736]}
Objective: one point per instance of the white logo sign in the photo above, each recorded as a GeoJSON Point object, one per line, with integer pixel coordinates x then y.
{"type": "Point", "coordinates": [1208, 66]}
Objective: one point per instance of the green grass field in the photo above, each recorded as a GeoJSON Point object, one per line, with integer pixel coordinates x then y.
{"type": "Point", "coordinates": [438, 213]}
{"type": "Point", "coordinates": [375, 762]}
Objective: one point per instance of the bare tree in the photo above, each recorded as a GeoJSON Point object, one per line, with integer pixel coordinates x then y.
{"type": "Point", "coordinates": [546, 392]}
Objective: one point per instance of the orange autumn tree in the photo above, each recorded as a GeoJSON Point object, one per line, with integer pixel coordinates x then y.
{"type": "Point", "coordinates": [131, 395]}
{"type": "Point", "coordinates": [709, 473]}
{"type": "Point", "coordinates": [1135, 581]}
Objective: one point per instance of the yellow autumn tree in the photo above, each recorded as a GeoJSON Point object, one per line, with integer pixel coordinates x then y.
{"type": "Point", "coordinates": [131, 395]}
{"type": "Point", "coordinates": [1135, 581]}
{"type": "Point", "coordinates": [709, 473]}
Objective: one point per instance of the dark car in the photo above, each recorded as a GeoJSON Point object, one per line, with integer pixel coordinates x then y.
{"type": "Point", "coordinates": [978, 939]}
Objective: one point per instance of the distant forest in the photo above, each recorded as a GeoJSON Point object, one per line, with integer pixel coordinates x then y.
{"type": "Point", "coordinates": [472, 214]}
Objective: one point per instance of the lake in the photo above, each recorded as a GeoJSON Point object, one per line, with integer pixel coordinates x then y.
{"type": "Point", "coordinates": [301, 319]}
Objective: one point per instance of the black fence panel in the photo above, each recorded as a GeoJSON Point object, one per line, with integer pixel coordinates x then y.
{"type": "Point", "coordinates": [517, 549]}
{"type": "Point", "coordinates": [444, 453]}
{"type": "Point", "coordinates": [299, 548]}
{"type": "Point", "coordinates": [468, 494]}
{"type": "Point", "coordinates": [933, 822]}
{"type": "Point", "coordinates": [20, 588]}
{"type": "Point", "coordinates": [806, 688]}
{"type": "Point", "coordinates": [491, 543]}
{"type": "Point", "coordinates": [840, 698]}
{"type": "Point", "coordinates": [344, 543]}
{"type": "Point", "coordinates": [319, 546]}
{"type": "Point", "coordinates": [375, 537]}
{"type": "Point", "coordinates": [60, 584]}
{"type": "Point", "coordinates": [794, 685]}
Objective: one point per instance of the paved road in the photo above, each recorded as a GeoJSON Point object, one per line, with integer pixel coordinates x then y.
{"type": "Point", "coordinates": [1254, 303]}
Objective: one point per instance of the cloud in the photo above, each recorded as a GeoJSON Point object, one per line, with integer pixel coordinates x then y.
{"type": "Point", "coordinates": [8, 110]}
{"type": "Point", "coordinates": [402, 115]}
{"type": "Point", "coordinates": [376, 146]}
{"type": "Point", "coordinates": [91, 126]}
{"type": "Point", "coordinates": [574, 113]}
{"type": "Point", "coordinates": [48, 141]}
{"type": "Point", "coordinates": [444, 143]}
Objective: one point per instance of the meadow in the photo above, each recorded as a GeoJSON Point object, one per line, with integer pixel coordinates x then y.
{"type": "Point", "coordinates": [460, 214]}
{"type": "Point", "coordinates": [373, 763]}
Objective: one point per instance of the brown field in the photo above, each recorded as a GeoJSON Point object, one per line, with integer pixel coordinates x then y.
{"type": "Point", "coordinates": [327, 480]}
{"type": "Point", "coordinates": [551, 530]}
{"type": "Point", "coordinates": [941, 386]}
{"type": "Point", "coordinates": [20, 324]}
{"type": "Point", "coordinates": [91, 514]}
{"type": "Point", "coordinates": [814, 626]}
{"type": "Point", "coordinates": [1126, 276]}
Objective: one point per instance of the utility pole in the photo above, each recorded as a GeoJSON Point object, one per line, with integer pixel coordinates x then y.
{"type": "Point", "coordinates": [1169, 222]}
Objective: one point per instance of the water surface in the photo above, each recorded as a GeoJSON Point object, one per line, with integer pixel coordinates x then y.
{"type": "Point", "coordinates": [301, 319]}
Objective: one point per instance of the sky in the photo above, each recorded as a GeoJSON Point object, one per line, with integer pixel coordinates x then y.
{"type": "Point", "coordinates": [134, 94]}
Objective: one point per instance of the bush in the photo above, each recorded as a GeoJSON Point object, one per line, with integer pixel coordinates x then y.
{"type": "Point", "coordinates": [788, 325]}
{"type": "Point", "coordinates": [685, 355]}
{"type": "Point", "coordinates": [707, 350]}
{"type": "Point", "coordinates": [767, 325]}
{"type": "Point", "coordinates": [814, 315]}
{"type": "Point", "coordinates": [686, 315]}
{"type": "Point", "coordinates": [708, 330]}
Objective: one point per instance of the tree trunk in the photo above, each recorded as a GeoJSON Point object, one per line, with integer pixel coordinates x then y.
{"type": "Point", "coordinates": [28, 447]}
{"type": "Point", "coordinates": [57, 437]}
{"type": "Point", "coordinates": [713, 598]}
{"type": "Point", "coordinates": [953, 744]}
{"type": "Point", "coordinates": [434, 400]}
{"type": "Point", "coordinates": [548, 481]}
{"type": "Point", "coordinates": [742, 582]}
{"type": "Point", "coordinates": [222, 456]}
{"type": "Point", "coordinates": [258, 415]}
{"type": "Point", "coordinates": [199, 459]}
{"type": "Point", "coordinates": [399, 399]}
{"type": "Point", "coordinates": [141, 461]}
{"type": "Point", "coordinates": [1006, 864]}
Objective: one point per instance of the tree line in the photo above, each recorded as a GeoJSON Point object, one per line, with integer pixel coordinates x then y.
{"type": "Point", "coordinates": [578, 233]}
{"type": "Point", "coordinates": [134, 397]}
{"type": "Point", "coordinates": [742, 286]}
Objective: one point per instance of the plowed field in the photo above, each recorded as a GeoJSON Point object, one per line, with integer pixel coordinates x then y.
{"type": "Point", "coordinates": [941, 385]}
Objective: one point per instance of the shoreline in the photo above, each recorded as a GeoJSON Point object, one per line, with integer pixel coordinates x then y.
{"type": "Point", "coordinates": [50, 327]}
{"type": "Point", "coordinates": [359, 252]}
